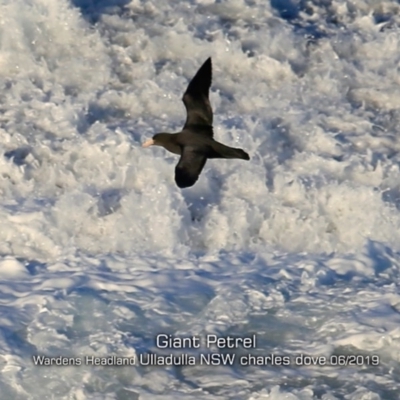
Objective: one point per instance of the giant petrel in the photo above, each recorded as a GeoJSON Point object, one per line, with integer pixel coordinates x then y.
{"type": "Point", "coordinates": [195, 143]}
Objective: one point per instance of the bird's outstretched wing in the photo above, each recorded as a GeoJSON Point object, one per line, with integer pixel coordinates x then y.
{"type": "Point", "coordinates": [196, 100]}
{"type": "Point", "coordinates": [189, 167]}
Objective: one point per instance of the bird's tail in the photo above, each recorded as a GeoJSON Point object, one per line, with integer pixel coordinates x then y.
{"type": "Point", "coordinates": [222, 151]}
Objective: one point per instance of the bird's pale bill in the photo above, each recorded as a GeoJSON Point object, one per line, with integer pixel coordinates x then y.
{"type": "Point", "coordinates": [148, 143]}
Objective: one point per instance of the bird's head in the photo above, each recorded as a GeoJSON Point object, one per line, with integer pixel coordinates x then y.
{"type": "Point", "coordinates": [156, 140]}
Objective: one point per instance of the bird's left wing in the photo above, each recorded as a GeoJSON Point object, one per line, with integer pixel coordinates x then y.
{"type": "Point", "coordinates": [196, 99]}
{"type": "Point", "coordinates": [189, 167]}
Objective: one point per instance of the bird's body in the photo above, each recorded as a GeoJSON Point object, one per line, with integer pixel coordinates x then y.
{"type": "Point", "coordinates": [195, 143]}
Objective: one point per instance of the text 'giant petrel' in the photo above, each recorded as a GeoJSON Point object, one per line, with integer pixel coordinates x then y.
{"type": "Point", "coordinates": [195, 142]}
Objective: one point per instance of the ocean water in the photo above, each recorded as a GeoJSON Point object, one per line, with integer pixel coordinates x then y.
{"type": "Point", "coordinates": [297, 250]}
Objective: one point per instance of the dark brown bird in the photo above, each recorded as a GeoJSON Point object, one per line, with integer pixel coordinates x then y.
{"type": "Point", "coordinates": [195, 142]}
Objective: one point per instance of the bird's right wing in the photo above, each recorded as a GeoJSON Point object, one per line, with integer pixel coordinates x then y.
{"type": "Point", "coordinates": [196, 100]}
{"type": "Point", "coordinates": [189, 167]}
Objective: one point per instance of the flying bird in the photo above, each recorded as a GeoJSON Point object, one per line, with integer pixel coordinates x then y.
{"type": "Point", "coordinates": [195, 143]}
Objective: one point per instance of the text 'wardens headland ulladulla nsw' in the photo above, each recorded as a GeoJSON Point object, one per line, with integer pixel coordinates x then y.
{"type": "Point", "coordinates": [166, 342]}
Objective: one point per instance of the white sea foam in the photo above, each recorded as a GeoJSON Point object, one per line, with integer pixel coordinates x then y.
{"type": "Point", "coordinates": [100, 251]}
